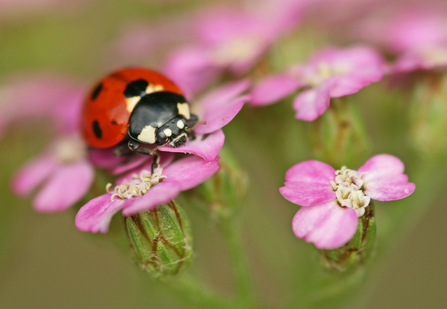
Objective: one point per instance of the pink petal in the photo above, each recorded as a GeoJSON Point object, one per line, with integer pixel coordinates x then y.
{"type": "Point", "coordinates": [220, 106]}
{"type": "Point", "coordinates": [313, 102]}
{"type": "Point", "coordinates": [191, 69]}
{"type": "Point", "coordinates": [33, 173]}
{"type": "Point", "coordinates": [381, 166]}
{"type": "Point", "coordinates": [157, 195]}
{"type": "Point", "coordinates": [191, 171]}
{"type": "Point", "coordinates": [328, 226]}
{"type": "Point", "coordinates": [95, 216]}
{"type": "Point", "coordinates": [394, 189]}
{"type": "Point", "coordinates": [384, 178]}
{"type": "Point", "coordinates": [308, 183]}
{"type": "Point", "coordinates": [205, 146]}
{"type": "Point", "coordinates": [181, 175]}
{"type": "Point", "coordinates": [65, 187]}
{"type": "Point", "coordinates": [104, 158]}
{"type": "Point", "coordinates": [345, 85]}
{"type": "Point", "coordinates": [134, 160]}
{"type": "Point", "coordinates": [273, 88]}
{"type": "Point", "coordinates": [165, 159]}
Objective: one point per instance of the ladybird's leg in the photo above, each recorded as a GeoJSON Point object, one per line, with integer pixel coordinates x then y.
{"type": "Point", "coordinates": [133, 145]}
{"type": "Point", "coordinates": [192, 121]}
{"type": "Point", "coordinates": [121, 149]}
{"type": "Point", "coordinates": [155, 163]}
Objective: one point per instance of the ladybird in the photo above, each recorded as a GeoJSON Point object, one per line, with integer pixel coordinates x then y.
{"type": "Point", "coordinates": [136, 106]}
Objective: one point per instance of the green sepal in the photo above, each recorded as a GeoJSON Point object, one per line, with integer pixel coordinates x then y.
{"type": "Point", "coordinates": [358, 250]}
{"type": "Point", "coordinates": [161, 239]}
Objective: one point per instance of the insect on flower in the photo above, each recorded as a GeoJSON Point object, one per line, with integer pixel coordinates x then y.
{"type": "Point", "coordinates": [134, 106]}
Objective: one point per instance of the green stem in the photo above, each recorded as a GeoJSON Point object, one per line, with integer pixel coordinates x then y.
{"type": "Point", "coordinates": [241, 270]}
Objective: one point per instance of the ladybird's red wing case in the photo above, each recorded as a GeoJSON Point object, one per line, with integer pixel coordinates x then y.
{"type": "Point", "coordinates": [106, 112]}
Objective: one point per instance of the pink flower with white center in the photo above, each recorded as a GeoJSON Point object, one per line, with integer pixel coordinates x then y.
{"type": "Point", "coordinates": [228, 39]}
{"type": "Point", "coordinates": [333, 200]}
{"type": "Point", "coordinates": [421, 36]}
{"type": "Point", "coordinates": [62, 171]}
{"type": "Point", "coordinates": [217, 108]}
{"type": "Point", "coordinates": [330, 73]}
{"type": "Point", "coordinates": [41, 95]}
{"type": "Point", "coordinates": [416, 33]}
{"type": "Point", "coordinates": [141, 190]}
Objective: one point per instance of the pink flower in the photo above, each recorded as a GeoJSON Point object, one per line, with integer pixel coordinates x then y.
{"type": "Point", "coordinates": [333, 200]}
{"type": "Point", "coordinates": [416, 33]}
{"type": "Point", "coordinates": [330, 73]}
{"type": "Point", "coordinates": [142, 190]}
{"type": "Point", "coordinates": [217, 108]}
{"type": "Point", "coordinates": [421, 37]}
{"type": "Point", "coordinates": [63, 173]}
{"type": "Point", "coordinates": [228, 38]}
{"type": "Point", "coordinates": [41, 95]}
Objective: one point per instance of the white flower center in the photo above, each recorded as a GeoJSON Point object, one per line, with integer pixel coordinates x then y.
{"type": "Point", "coordinates": [138, 186]}
{"type": "Point", "coordinates": [324, 71]}
{"type": "Point", "coordinates": [348, 187]}
{"type": "Point", "coordinates": [236, 50]}
{"type": "Point", "coordinates": [69, 149]}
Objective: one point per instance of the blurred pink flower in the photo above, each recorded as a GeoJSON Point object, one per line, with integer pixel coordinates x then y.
{"type": "Point", "coordinates": [228, 39]}
{"type": "Point", "coordinates": [41, 95]}
{"type": "Point", "coordinates": [63, 171]}
{"type": "Point", "coordinates": [330, 73]}
{"type": "Point", "coordinates": [142, 190]}
{"type": "Point", "coordinates": [332, 200]}
{"type": "Point", "coordinates": [416, 33]}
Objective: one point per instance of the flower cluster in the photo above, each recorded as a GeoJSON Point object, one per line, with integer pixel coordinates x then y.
{"type": "Point", "coordinates": [330, 73]}
{"type": "Point", "coordinates": [333, 200]}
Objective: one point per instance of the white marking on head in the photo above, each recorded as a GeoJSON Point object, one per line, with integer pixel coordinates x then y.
{"type": "Point", "coordinates": [167, 132]}
{"type": "Point", "coordinates": [183, 109]}
{"type": "Point", "coordinates": [180, 124]}
{"type": "Point", "coordinates": [131, 102]}
{"type": "Point", "coordinates": [147, 135]}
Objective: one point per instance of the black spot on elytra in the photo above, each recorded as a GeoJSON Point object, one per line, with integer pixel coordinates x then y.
{"type": "Point", "coordinates": [97, 129]}
{"type": "Point", "coordinates": [96, 91]}
{"type": "Point", "coordinates": [136, 88]}
{"type": "Point", "coordinates": [114, 122]}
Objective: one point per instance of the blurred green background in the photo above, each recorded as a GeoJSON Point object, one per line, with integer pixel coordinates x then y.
{"type": "Point", "coordinates": [46, 263]}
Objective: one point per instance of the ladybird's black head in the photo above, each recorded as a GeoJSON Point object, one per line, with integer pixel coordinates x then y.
{"type": "Point", "coordinates": [160, 118]}
{"type": "Point", "coordinates": [171, 131]}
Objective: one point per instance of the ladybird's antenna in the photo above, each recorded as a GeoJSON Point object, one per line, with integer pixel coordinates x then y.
{"type": "Point", "coordinates": [189, 130]}
{"type": "Point", "coordinates": [154, 151]}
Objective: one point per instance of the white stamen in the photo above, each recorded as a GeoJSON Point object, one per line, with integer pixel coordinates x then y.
{"type": "Point", "coordinates": [348, 187]}
{"type": "Point", "coordinates": [138, 186]}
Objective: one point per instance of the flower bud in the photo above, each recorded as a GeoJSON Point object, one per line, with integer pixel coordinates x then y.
{"type": "Point", "coordinates": [161, 239]}
{"type": "Point", "coordinates": [358, 249]}
{"type": "Point", "coordinates": [223, 192]}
